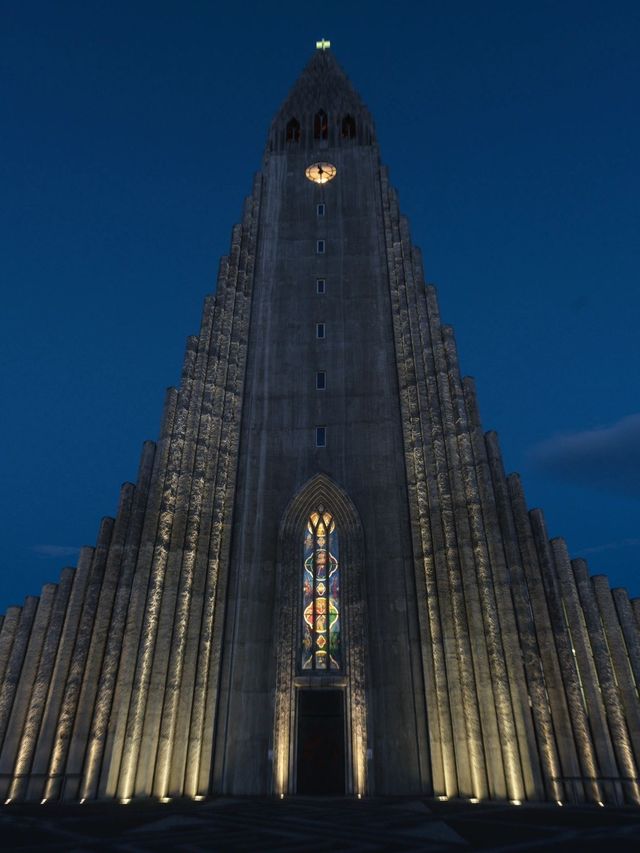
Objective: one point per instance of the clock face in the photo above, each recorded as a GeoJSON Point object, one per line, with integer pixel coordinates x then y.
{"type": "Point", "coordinates": [320, 173]}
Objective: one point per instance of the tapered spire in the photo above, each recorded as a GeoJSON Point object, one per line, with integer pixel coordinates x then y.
{"type": "Point", "coordinates": [323, 89]}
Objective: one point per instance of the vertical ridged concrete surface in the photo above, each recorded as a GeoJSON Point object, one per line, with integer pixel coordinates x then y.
{"type": "Point", "coordinates": [479, 661]}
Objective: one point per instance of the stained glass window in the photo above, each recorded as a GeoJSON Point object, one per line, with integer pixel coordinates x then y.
{"type": "Point", "coordinates": [321, 594]}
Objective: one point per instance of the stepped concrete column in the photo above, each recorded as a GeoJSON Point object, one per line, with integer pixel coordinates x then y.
{"type": "Point", "coordinates": [620, 659]}
{"type": "Point", "coordinates": [35, 710]}
{"type": "Point", "coordinates": [164, 684]}
{"type": "Point", "coordinates": [191, 711]}
{"type": "Point", "coordinates": [12, 719]}
{"type": "Point", "coordinates": [56, 785]}
{"type": "Point", "coordinates": [571, 679]}
{"type": "Point", "coordinates": [422, 412]}
{"type": "Point", "coordinates": [167, 567]}
{"type": "Point", "coordinates": [607, 679]}
{"type": "Point", "coordinates": [508, 738]}
{"type": "Point", "coordinates": [435, 742]}
{"type": "Point", "coordinates": [16, 660]}
{"type": "Point", "coordinates": [99, 631]}
{"type": "Point", "coordinates": [7, 636]}
{"type": "Point", "coordinates": [46, 734]}
{"type": "Point", "coordinates": [134, 605]}
{"type": "Point", "coordinates": [213, 547]}
{"type": "Point", "coordinates": [139, 714]}
{"type": "Point", "coordinates": [537, 696]}
{"type": "Point", "coordinates": [586, 669]}
{"type": "Point", "coordinates": [469, 744]}
{"type": "Point", "coordinates": [175, 772]}
{"type": "Point", "coordinates": [514, 645]}
{"type": "Point", "coordinates": [630, 631]}
{"type": "Point", "coordinates": [553, 679]}
{"type": "Point", "coordinates": [111, 660]}
{"type": "Point", "coordinates": [190, 762]}
{"type": "Point", "coordinates": [174, 617]}
{"type": "Point", "coordinates": [434, 606]}
{"type": "Point", "coordinates": [487, 768]}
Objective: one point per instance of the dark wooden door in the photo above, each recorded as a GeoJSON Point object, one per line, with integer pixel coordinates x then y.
{"type": "Point", "coordinates": [321, 752]}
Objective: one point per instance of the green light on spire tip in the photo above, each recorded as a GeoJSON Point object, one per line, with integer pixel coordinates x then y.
{"type": "Point", "coordinates": [323, 44]}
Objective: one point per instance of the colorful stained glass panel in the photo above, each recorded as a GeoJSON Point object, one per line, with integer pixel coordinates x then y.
{"type": "Point", "coordinates": [321, 594]}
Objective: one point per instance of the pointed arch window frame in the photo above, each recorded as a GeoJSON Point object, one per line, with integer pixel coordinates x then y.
{"type": "Point", "coordinates": [353, 677]}
{"type": "Point", "coordinates": [348, 127]}
{"type": "Point", "coordinates": [293, 130]}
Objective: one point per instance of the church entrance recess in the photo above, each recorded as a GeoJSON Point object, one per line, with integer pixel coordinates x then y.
{"type": "Point", "coordinates": [321, 742]}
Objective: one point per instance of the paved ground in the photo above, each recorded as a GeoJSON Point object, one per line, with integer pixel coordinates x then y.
{"type": "Point", "coordinates": [315, 825]}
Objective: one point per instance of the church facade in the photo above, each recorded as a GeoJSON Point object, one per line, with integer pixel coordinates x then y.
{"type": "Point", "coordinates": [322, 581]}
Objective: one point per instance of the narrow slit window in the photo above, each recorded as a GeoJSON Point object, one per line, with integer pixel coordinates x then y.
{"type": "Point", "coordinates": [320, 209]}
{"type": "Point", "coordinates": [320, 247]}
{"type": "Point", "coordinates": [321, 380]}
{"type": "Point", "coordinates": [319, 330]}
{"type": "Point", "coordinates": [320, 125]}
{"type": "Point", "coordinates": [320, 285]}
{"type": "Point", "coordinates": [321, 436]}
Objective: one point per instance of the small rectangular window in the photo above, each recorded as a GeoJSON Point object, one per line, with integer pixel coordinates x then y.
{"type": "Point", "coordinates": [321, 436]}
{"type": "Point", "coordinates": [321, 380]}
{"type": "Point", "coordinates": [320, 209]}
{"type": "Point", "coordinates": [320, 247]}
{"type": "Point", "coordinates": [320, 285]}
{"type": "Point", "coordinates": [319, 330]}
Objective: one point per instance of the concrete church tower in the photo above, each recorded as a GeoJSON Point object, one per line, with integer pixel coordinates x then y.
{"type": "Point", "coordinates": [322, 580]}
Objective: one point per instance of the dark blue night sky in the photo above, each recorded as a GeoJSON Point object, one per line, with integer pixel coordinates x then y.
{"type": "Point", "coordinates": [130, 133]}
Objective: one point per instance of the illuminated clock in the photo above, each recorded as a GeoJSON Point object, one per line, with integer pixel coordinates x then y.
{"type": "Point", "coordinates": [320, 173]}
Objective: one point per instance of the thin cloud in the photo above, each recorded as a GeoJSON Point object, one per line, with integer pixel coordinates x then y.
{"type": "Point", "coordinates": [611, 546]}
{"type": "Point", "coordinates": [606, 459]}
{"type": "Point", "coordinates": [56, 550]}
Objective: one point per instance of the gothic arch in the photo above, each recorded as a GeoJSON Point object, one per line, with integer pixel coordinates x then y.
{"type": "Point", "coordinates": [320, 489]}
{"type": "Point", "coordinates": [348, 127]}
{"type": "Point", "coordinates": [293, 130]}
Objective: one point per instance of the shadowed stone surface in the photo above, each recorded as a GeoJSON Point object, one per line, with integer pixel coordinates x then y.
{"type": "Point", "coordinates": [316, 825]}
